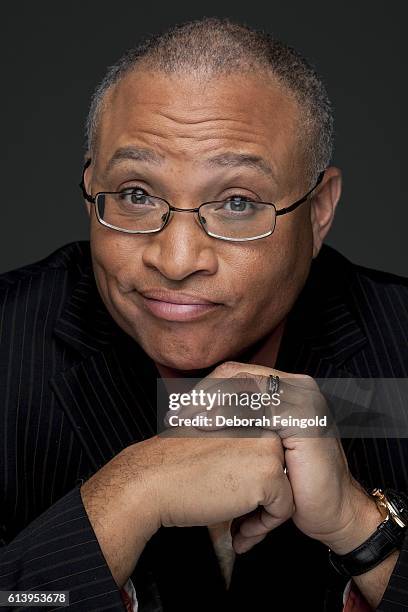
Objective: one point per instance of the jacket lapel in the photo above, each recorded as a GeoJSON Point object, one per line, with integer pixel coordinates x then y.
{"type": "Point", "coordinates": [109, 393]}
{"type": "Point", "coordinates": [109, 408]}
{"type": "Point", "coordinates": [322, 331]}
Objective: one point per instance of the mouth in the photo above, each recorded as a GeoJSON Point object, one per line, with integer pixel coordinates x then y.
{"type": "Point", "coordinates": [176, 305]}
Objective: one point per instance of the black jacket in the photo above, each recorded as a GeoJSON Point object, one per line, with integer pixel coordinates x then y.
{"type": "Point", "coordinates": [75, 390]}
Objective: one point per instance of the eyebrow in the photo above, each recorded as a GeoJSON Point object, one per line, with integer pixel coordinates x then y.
{"type": "Point", "coordinates": [228, 159]}
{"type": "Point", "coordinates": [236, 160]}
{"type": "Point", "coordinates": [135, 154]}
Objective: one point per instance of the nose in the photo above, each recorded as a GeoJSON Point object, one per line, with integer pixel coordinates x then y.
{"type": "Point", "coordinates": [182, 248]}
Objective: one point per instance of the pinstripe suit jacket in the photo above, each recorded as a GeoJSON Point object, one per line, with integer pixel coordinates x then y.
{"type": "Point", "coordinates": [75, 390]}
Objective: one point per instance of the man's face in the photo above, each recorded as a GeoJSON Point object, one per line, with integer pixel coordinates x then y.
{"type": "Point", "coordinates": [241, 290]}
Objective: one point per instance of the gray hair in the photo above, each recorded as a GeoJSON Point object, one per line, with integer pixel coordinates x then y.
{"type": "Point", "coordinates": [212, 47]}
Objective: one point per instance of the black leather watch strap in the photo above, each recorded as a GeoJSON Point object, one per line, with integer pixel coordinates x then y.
{"type": "Point", "coordinates": [387, 538]}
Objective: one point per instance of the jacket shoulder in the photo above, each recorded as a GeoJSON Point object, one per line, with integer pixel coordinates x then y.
{"type": "Point", "coordinates": [382, 292]}
{"type": "Point", "coordinates": [379, 301]}
{"type": "Point", "coordinates": [72, 258]}
{"type": "Point", "coordinates": [39, 290]}
{"type": "Point", "coordinates": [381, 279]}
{"type": "Point", "coordinates": [338, 270]}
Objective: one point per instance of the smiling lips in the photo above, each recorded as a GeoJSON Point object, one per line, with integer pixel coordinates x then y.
{"type": "Point", "coordinates": [175, 305]}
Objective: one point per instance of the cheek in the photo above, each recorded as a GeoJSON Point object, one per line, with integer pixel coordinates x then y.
{"type": "Point", "coordinates": [272, 274]}
{"type": "Point", "coordinates": [293, 241]}
{"type": "Point", "coordinates": [293, 255]}
{"type": "Point", "coordinates": [116, 257]}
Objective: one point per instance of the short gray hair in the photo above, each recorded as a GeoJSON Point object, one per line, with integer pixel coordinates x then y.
{"type": "Point", "coordinates": [213, 46]}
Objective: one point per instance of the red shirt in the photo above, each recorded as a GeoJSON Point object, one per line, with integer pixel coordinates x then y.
{"type": "Point", "coordinates": [354, 600]}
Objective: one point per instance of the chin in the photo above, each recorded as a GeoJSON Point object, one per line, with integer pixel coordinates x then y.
{"type": "Point", "coordinates": [182, 348]}
{"type": "Point", "coordinates": [183, 356]}
{"type": "Point", "coordinates": [183, 362]}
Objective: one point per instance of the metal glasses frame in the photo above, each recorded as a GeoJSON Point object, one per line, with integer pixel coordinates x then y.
{"type": "Point", "coordinates": [278, 212]}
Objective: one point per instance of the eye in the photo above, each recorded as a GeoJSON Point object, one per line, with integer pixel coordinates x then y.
{"type": "Point", "coordinates": [239, 204]}
{"type": "Point", "coordinates": [135, 195]}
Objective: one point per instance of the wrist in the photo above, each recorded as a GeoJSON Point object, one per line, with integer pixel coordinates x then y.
{"type": "Point", "coordinates": [140, 496]}
{"type": "Point", "coordinates": [120, 510]}
{"type": "Point", "coordinates": [379, 549]}
{"type": "Point", "coordinates": [363, 518]}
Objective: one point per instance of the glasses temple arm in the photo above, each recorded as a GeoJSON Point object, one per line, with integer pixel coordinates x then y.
{"type": "Point", "coordinates": [283, 211]}
{"type": "Point", "coordinates": [86, 195]}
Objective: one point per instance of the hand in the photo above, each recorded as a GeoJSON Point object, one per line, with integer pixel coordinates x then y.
{"type": "Point", "coordinates": [330, 505]}
{"type": "Point", "coordinates": [182, 481]}
{"type": "Point", "coordinates": [212, 478]}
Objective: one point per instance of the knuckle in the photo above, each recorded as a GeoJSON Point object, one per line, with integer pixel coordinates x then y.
{"type": "Point", "coordinates": [289, 510]}
{"type": "Point", "coordinates": [270, 468]}
{"type": "Point", "coordinates": [228, 368]}
{"type": "Point", "coordinates": [309, 381]}
{"type": "Point", "coordinates": [242, 374]}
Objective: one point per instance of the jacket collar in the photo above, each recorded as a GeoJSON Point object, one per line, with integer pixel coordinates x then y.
{"type": "Point", "coordinates": [85, 324]}
{"type": "Point", "coordinates": [323, 331]}
{"type": "Point", "coordinates": [108, 393]}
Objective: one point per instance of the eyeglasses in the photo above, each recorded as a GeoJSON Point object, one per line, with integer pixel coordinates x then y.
{"type": "Point", "coordinates": [237, 219]}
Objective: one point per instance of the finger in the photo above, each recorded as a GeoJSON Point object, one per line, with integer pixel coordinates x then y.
{"type": "Point", "coordinates": [231, 369]}
{"type": "Point", "coordinates": [260, 524]}
{"type": "Point", "coordinates": [221, 393]}
{"type": "Point", "coordinates": [300, 400]}
{"type": "Point", "coordinates": [228, 398]}
{"type": "Point", "coordinates": [253, 529]}
{"type": "Point", "coordinates": [242, 544]}
{"type": "Point", "coordinates": [231, 432]}
{"type": "Point", "coordinates": [243, 395]}
{"type": "Point", "coordinates": [279, 506]}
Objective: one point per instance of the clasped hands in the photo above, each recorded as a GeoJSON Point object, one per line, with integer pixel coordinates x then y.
{"type": "Point", "coordinates": [300, 473]}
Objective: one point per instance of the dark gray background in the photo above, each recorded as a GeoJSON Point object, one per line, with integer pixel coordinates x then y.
{"type": "Point", "coordinates": [54, 53]}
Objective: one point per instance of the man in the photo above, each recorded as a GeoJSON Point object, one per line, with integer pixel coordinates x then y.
{"type": "Point", "coordinates": [192, 271]}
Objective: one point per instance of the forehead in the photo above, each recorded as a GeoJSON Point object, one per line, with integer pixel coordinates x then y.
{"type": "Point", "coordinates": [187, 116]}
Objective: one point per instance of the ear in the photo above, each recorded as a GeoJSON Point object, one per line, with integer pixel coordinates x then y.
{"type": "Point", "coordinates": [323, 205]}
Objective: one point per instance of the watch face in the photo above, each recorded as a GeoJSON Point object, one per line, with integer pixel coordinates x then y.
{"type": "Point", "coordinates": [399, 502]}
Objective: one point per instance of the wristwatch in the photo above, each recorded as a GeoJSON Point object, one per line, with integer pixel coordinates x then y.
{"type": "Point", "coordinates": [388, 536]}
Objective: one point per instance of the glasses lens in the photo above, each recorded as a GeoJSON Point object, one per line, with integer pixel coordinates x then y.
{"type": "Point", "coordinates": [238, 219]}
{"type": "Point", "coordinates": [132, 210]}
